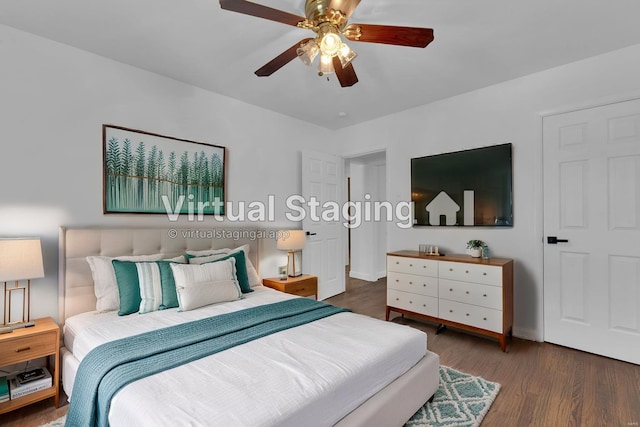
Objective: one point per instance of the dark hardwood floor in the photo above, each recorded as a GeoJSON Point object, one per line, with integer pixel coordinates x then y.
{"type": "Point", "coordinates": [543, 385]}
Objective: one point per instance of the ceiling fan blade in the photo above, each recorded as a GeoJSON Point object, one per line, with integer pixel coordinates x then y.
{"type": "Point", "coordinates": [347, 75]}
{"type": "Point", "coordinates": [260, 11]}
{"type": "Point", "coordinates": [281, 60]}
{"type": "Point", "coordinates": [345, 6]}
{"type": "Point", "coordinates": [389, 34]}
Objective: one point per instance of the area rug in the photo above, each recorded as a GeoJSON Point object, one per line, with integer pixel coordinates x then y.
{"type": "Point", "coordinates": [462, 400]}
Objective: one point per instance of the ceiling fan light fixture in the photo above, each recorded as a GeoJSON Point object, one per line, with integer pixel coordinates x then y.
{"type": "Point", "coordinates": [325, 66]}
{"type": "Point", "coordinates": [346, 55]}
{"type": "Point", "coordinates": [308, 52]}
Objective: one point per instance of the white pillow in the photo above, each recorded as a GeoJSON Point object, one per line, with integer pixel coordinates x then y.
{"type": "Point", "coordinates": [198, 285]}
{"type": "Point", "coordinates": [213, 254]}
{"type": "Point", "coordinates": [104, 278]}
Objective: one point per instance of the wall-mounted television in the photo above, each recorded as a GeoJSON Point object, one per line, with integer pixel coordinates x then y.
{"type": "Point", "coordinates": [464, 188]}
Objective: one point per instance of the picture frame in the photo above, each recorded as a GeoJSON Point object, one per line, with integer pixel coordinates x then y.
{"type": "Point", "coordinates": [149, 173]}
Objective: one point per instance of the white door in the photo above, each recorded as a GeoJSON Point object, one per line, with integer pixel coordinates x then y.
{"type": "Point", "coordinates": [323, 254]}
{"type": "Point", "coordinates": [592, 200]}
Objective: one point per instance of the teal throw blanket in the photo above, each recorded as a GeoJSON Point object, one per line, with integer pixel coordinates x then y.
{"type": "Point", "coordinates": [111, 366]}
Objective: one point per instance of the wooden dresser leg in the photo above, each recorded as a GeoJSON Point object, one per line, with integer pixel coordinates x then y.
{"type": "Point", "coordinates": [388, 311]}
{"type": "Point", "coordinates": [503, 343]}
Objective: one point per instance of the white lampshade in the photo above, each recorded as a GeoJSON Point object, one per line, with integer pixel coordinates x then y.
{"type": "Point", "coordinates": [292, 240]}
{"type": "Point", "coordinates": [20, 259]}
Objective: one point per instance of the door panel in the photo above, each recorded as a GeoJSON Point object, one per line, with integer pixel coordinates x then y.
{"type": "Point", "coordinates": [592, 199]}
{"type": "Point", "coordinates": [323, 256]}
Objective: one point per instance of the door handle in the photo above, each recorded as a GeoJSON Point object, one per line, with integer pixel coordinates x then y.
{"type": "Point", "coordinates": [308, 233]}
{"type": "Point", "coordinates": [552, 240]}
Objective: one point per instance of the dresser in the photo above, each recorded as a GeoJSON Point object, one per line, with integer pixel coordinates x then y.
{"type": "Point", "coordinates": [471, 294]}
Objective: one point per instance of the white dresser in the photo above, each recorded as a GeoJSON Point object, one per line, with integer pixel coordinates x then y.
{"type": "Point", "coordinates": [455, 290]}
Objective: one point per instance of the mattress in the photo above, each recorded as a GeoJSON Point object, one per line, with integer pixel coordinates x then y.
{"type": "Point", "coordinates": [311, 375]}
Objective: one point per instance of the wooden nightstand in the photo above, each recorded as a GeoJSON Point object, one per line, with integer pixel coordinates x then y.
{"type": "Point", "coordinates": [24, 344]}
{"type": "Point", "coordinates": [304, 286]}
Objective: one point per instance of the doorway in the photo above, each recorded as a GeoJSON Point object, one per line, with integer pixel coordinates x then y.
{"type": "Point", "coordinates": [366, 182]}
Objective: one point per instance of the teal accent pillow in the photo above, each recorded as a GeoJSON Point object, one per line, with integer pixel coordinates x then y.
{"type": "Point", "coordinates": [138, 294]}
{"type": "Point", "coordinates": [128, 286]}
{"type": "Point", "coordinates": [241, 266]}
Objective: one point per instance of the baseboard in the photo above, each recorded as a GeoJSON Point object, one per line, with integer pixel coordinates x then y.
{"type": "Point", "coordinates": [362, 276]}
{"type": "Point", "coordinates": [527, 334]}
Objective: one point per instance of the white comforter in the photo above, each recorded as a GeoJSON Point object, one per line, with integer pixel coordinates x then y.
{"type": "Point", "coordinates": [311, 375]}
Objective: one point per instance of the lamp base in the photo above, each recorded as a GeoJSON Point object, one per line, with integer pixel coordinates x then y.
{"type": "Point", "coordinates": [293, 269]}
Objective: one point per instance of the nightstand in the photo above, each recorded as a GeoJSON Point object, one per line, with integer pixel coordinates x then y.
{"type": "Point", "coordinates": [304, 286]}
{"type": "Point", "coordinates": [24, 344]}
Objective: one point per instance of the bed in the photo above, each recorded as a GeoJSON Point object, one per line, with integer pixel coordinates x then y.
{"type": "Point", "coordinates": [344, 369]}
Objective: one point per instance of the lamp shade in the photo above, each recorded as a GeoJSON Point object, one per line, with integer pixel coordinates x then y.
{"type": "Point", "coordinates": [291, 240]}
{"type": "Point", "coordinates": [20, 259]}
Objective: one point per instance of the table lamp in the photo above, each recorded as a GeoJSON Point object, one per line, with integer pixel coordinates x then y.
{"type": "Point", "coordinates": [292, 241]}
{"type": "Point", "coordinates": [20, 259]}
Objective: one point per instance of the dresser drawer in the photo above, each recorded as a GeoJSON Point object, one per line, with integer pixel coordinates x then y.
{"type": "Point", "coordinates": [27, 348]}
{"type": "Point", "coordinates": [423, 267]}
{"type": "Point", "coordinates": [421, 304]}
{"type": "Point", "coordinates": [472, 315]}
{"type": "Point", "coordinates": [471, 293]}
{"type": "Point", "coordinates": [423, 285]}
{"type": "Point", "coordinates": [486, 274]}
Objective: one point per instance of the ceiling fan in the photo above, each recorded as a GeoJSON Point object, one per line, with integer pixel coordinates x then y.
{"type": "Point", "coordinates": [328, 20]}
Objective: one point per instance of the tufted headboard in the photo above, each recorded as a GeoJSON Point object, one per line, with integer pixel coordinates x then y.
{"type": "Point", "coordinates": [75, 282]}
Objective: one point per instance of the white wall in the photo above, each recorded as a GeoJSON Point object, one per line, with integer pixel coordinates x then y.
{"type": "Point", "coordinates": [53, 102]}
{"type": "Point", "coordinates": [508, 112]}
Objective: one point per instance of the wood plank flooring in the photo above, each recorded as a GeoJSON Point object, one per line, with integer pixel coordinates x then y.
{"type": "Point", "coordinates": [543, 385]}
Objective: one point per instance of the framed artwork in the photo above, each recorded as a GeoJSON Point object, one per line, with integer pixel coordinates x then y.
{"type": "Point", "coordinates": [154, 174]}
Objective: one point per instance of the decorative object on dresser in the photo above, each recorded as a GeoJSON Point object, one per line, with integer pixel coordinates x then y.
{"type": "Point", "coordinates": [20, 259]}
{"type": "Point", "coordinates": [27, 344]}
{"type": "Point", "coordinates": [474, 248]}
{"type": "Point", "coordinates": [304, 286]}
{"type": "Point", "coordinates": [149, 173]}
{"type": "Point", "coordinates": [292, 241]}
{"type": "Point", "coordinates": [468, 293]}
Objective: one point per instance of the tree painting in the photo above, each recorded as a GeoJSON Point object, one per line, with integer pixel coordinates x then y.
{"type": "Point", "coordinates": [148, 173]}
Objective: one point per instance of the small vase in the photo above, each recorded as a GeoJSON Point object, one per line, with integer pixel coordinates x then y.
{"type": "Point", "coordinates": [475, 252]}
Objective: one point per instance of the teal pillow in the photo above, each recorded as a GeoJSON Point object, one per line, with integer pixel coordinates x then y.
{"type": "Point", "coordinates": [128, 286]}
{"type": "Point", "coordinates": [133, 298]}
{"type": "Point", "coordinates": [241, 267]}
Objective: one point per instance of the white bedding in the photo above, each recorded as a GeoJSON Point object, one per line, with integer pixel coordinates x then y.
{"type": "Point", "coordinates": [312, 375]}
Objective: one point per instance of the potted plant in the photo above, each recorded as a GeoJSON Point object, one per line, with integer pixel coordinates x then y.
{"type": "Point", "coordinates": [474, 248]}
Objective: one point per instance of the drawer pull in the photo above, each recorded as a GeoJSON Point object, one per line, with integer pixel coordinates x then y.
{"type": "Point", "coordinates": [424, 305]}
{"type": "Point", "coordinates": [397, 299]}
{"type": "Point", "coordinates": [424, 266]}
{"type": "Point", "coordinates": [397, 262]}
{"type": "Point", "coordinates": [397, 280]}
{"type": "Point", "coordinates": [484, 274]}
{"type": "Point", "coordinates": [484, 295]}
{"type": "Point", "coordinates": [424, 285]}
{"type": "Point", "coordinates": [451, 269]}
{"type": "Point", "coordinates": [450, 289]}
{"type": "Point", "coordinates": [466, 271]}
{"type": "Point", "coordinates": [410, 265]}
{"type": "Point", "coordinates": [20, 350]}
{"type": "Point", "coordinates": [411, 283]}
{"type": "Point", "coordinates": [410, 302]}
{"type": "Point", "coordinates": [467, 314]}
{"type": "Point", "coordinates": [450, 311]}
{"type": "Point", "coordinates": [484, 318]}
{"type": "Point", "coordinates": [467, 292]}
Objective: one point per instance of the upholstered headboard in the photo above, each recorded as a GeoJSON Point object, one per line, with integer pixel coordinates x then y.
{"type": "Point", "coordinates": [76, 294]}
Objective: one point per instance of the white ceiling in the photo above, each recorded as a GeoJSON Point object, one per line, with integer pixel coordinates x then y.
{"type": "Point", "coordinates": [477, 43]}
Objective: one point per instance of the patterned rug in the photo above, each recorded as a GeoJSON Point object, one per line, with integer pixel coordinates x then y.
{"type": "Point", "coordinates": [462, 400]}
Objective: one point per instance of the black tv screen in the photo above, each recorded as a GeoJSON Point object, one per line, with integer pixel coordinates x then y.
{"type": "Point", "coordinates": [464, 188]}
